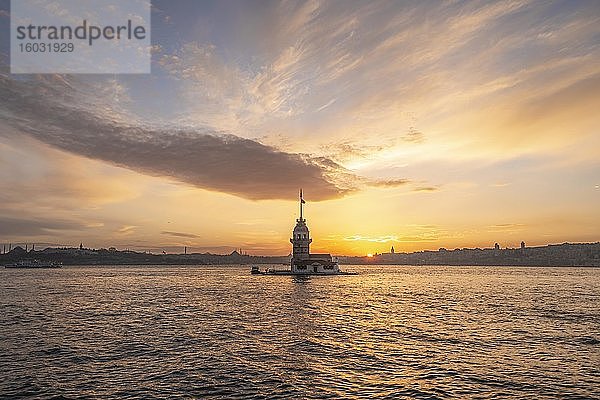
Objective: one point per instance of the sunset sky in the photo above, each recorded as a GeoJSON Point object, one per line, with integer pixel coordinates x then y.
{"type": "Point", "coordinates": [418, 125]}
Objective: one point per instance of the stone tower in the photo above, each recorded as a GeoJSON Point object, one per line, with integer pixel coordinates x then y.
{"type": "Point", "coordinates": [300, 237]}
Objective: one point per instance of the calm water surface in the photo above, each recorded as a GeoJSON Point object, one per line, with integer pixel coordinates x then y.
{"type": "Point", "coordinates": [391, 332]}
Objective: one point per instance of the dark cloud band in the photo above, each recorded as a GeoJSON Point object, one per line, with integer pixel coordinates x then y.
{"type": "Point", "coordinates": [47, 108]}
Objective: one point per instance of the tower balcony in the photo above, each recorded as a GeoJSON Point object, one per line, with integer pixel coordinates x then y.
{"type": "Point", "coordinates": [301, 241]}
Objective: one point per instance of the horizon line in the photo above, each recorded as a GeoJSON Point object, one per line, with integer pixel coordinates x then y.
{"type": "Point", "coordinates": [241, 252]}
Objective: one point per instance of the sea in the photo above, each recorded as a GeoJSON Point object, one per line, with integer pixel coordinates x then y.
{"type": "Point", "coordinates": [391, 332]}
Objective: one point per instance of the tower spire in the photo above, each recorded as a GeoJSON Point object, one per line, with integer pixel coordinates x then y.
{"type": "Point", "coordinates": [301, 202]}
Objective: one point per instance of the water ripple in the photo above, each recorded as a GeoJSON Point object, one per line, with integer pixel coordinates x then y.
{"type": "Point", "coordinates": [218, 332]}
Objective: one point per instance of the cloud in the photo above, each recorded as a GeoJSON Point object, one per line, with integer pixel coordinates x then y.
{"type": "Point", "coordinates": [11, 226]}
{"type": "Point", "coordinates": [52, 179]}
{"type": "Point", "coordinates": [180, 234]}
{"type": "Point", "coordinates": [414, 135]}
{"type": "Point", "coordinates": [506, 228]}
{"type": "Point", "coordinates": [426, 189]}
{"type": "Point", "coordinates": [425, 236]}
{"type": "Point", "coordinates": [126, 229]}
{"type": "Point", "coordinates": [347, 83]}
{"type": "Point", "coordinates": [389, 183]}
{"type": "Point", "coordinates": [324, 106]}
{"type": "Point", "coordinates": [378, 239]}
{"type": "Point", "coordinates": [382, 60]}
{"type": "Point", "coordinates": [53, 111]}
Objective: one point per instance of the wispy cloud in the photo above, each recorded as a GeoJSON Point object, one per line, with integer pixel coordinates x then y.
{"type": "Point", "coordinates": [324, 106]}
{"type": "Point", "coordinates": [15, 226]}
{"type": "Point", "coordinates": [389, 182]}
{"type": "Point", "coordinates": [507, 228]}
{"type": "Point", "coordinates": [378, 239]}
{"type": "Point", "coordinates": [329, 72]}
{"type": "Point", "coordinates": [426, 189]}
{"type": "Point", "coordinates": [126, 230]}
{"type": "Point", "coordinates": [180, 234]}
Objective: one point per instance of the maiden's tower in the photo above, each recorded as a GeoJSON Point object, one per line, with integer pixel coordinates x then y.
{"type": "Point", "coordinates": [303, 262]}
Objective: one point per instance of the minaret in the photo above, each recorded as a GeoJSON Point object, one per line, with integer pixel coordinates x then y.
{"type": "Point", "coordinates": [300, 237]}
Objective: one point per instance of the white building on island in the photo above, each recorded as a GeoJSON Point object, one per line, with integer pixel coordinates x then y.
{"type": "Point", "coordinates": [303, 262]}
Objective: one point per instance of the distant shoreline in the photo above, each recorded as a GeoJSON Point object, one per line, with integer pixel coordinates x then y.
{"type": "Point", "coordinates": [361, 265]}
{"type": "Point", "coordinates": [554, 255]}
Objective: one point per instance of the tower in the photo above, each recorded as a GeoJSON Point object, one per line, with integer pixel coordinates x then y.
{"type": "Point", "coordinates": [300, 237]}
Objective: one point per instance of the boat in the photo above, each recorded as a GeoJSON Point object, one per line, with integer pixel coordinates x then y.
{"type": "Point", "coordinates": [255, 270]}
{"type": "Point", "coordinates": [303, 262]}
{"type": "Point", "coordinates": [34, 264]}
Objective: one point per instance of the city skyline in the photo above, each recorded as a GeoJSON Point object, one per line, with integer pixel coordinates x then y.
{"type": "Point", "coordinates": [415, 125]}
{"type": "Point", "coordinates": [6, 248]}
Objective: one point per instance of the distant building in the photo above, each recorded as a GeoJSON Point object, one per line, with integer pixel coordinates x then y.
{"type": "Point", "coordinates": [522, 245]}
{"type": "Point", "coordinates": [81, 246]}
{"type": "Point", "coordinates": [496, 246]}
{"type": "Point", "coordinates": [392, 250]}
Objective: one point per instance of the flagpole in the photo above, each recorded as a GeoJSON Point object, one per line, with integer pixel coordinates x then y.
{"type": "Point", "coordinates": [300, 204]}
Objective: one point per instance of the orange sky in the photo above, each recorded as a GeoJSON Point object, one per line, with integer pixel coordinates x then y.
{"type": "Point", "coordinates": [417, 126]}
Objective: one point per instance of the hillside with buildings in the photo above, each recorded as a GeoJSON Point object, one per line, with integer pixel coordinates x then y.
{"type": "Point", "coordinates": [112, 256]}
{"type": "Point", "coordinates": [566, 254]}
